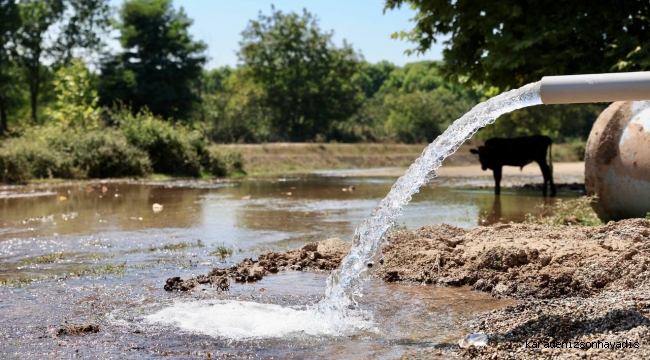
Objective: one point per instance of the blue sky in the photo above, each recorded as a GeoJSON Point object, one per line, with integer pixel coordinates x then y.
{"type": "Point", "coordinates": [362, 23]}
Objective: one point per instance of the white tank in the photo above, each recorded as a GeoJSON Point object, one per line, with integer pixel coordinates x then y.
{"type": "Point", "coordinates": [617, 161]}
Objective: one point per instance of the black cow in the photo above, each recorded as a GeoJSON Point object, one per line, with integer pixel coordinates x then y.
{"type": "Point", "coordinates": [517, 152]}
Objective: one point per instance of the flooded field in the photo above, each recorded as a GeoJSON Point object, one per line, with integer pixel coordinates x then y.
{"type": "Point", "coordinates": [97, 253]}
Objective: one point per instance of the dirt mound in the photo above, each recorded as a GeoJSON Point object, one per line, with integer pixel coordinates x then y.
{"type": "Point", "coordinates": [316, 256]}
{"type": "Point", "coordinates": [523, 261]}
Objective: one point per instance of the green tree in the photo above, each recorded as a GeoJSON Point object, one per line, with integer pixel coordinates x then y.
{"type": "Point", "coordinates": [309, 82]}
{"type": "Point", "coordinates": [421, 116]}
{"type": "Point", "coordinates": [373, 76]}
{"type": "Point", "coordinates": [510, 43]}
{"type": "Point", "coordinates": [9, 24]}
{"type": "Point", "coordinates": [234, 108]}
{"type": "Point", "coordinates": [160, 63]}
{"type": "Point", "coordinates": [53, 30]}
{"type": "Point", "coordinates": [76, 104]}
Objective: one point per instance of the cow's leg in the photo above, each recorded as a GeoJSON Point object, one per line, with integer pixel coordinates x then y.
{"type": "Point", "coordinates": [548, 177]}
{"type": "Point", "coordinates": [497, 180]}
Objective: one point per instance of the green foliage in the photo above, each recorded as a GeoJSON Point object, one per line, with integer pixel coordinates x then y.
{"type": "Point", "coordinates": [160, 62]}
{"type": "Point", "coordinates": [55, 152]}
{"type": "Point", "coordinates": [567, 212]}
{"type": "Point", "coordinates": [76, 104]}
{"type": "Point", "coordinates": [173, 150]}
{"type": "Point", "coordinates": [223, 163]}
{"type": "Point", "coordinates": [421, 116]}
{"type": "Point", "coordinates": [9, 25]}
{"type": "Point", "coordinates": [103, 154]}
{"type": "Point", "coordinates": [373, 76]}
{"type": "Point", "coordinates": [308, 82]}
{"type": "Point", "coordinates": [510, 43]}
{"type": "Point", "coordinates": [54, 29]}
{"type": "Point", "coordinates": [237, 113]}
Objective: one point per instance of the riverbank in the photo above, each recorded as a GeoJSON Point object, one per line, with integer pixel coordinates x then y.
{"type": "Point", "coordinates": [283, 158]}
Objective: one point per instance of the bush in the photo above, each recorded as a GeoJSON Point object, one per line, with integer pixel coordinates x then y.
{"type": "Point", "coordinates": [55, 152]}
{"type": "Point", "coordinates": [173, 150]}
{"type": "Point", "coordinates": [103, 154]}
{"type": "Point", "coordinates": [222, 163]}
{"type": "Point", "coordinates": [23, 159]}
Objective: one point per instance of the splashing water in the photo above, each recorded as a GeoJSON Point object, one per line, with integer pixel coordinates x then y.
{"type": "Point", "coordinates": [345, 283]}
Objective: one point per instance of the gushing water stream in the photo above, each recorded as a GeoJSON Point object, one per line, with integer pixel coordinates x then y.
{"type": "Point", "coordinates": [346, 282]}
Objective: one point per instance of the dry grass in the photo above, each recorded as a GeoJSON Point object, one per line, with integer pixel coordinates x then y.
{"type": "Point", "coordinates": [281, 158]}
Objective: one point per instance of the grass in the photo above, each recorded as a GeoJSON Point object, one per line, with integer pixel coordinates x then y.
{"type": "Point", "coordinates": [567, 212]}
{"type": "Point", "coordinates": [109, 269]}
{"type": "Point", "coordinates": [178, 246]}
{"type": "Point", "coordinates": [222, 252]}
{"type": "Point", "coordinates": [45, 259]}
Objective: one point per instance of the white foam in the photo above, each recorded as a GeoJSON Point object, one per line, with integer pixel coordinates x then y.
{"type": "Point", "coordinates": [242, 320]}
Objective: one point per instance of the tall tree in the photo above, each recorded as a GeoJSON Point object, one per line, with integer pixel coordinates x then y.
{"type": "Point", "coordinates": [9, 24]}
{"type": "Point", "coordinates": [53, 30]}
{"type": "Point", "coordinates": [510, 43]}
{"type": "Point", "coordinates": [160, 62]}
{"type": "Point", "coordinates": [309, 82]}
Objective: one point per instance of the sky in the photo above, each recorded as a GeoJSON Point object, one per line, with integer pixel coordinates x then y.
{"type": "Point", "coordinates": [362, 23]}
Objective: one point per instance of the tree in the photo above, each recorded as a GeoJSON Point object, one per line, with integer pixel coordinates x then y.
{"type": "Point", "coordinates": [421, 116]}
{"type": "Point", "coordinates": [373, 76]}
{"type": "Point", "coordinates": [160, 63]}
{"type": "Point", "coordinates": [54, 30]}
{"type": "Point", "coordinates": [76, 104]}
{"type": "Point", "coordinates": [9, 24]}
{"type": "Point", "coordinates": [309, 82]}
{"type": "Point", "coordinates": [510, 43]}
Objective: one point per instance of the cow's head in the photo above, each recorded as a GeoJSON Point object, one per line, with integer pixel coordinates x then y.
{"type": "Point", "coordinates": [486, 156]}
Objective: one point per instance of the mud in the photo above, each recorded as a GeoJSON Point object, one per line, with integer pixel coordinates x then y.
{"type": "Point", "coordinates": [315, 256]}
{"type": "Point", "coordinates": [523, 261]}
{"type": "Point", "coordinates": [78, 329]}
{"type": "Point", "coordinates": [512, 260]}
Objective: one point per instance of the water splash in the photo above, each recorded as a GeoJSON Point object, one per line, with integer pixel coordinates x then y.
{"type": "Point", "coordinates": [345, 284]}
{"type": "Point", "coordinates": [243, 320]}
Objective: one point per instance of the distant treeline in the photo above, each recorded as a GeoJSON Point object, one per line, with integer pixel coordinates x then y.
{"type": "Point", "coordinates": [292, 84]}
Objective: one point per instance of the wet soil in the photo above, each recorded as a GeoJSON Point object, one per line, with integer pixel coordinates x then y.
{"type": "Point", "coordinates": [582, 284]}
{"type": "Point", "coordinates": [514, 260]}
{"type": "Point", "coordinates": [315, 256]}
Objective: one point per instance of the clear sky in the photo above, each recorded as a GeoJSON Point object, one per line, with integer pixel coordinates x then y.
{"type": "Point", "coordinates": [362, 23]}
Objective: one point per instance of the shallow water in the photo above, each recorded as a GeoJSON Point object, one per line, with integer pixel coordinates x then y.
{"type": "Point", "coordinates": [101, 258]}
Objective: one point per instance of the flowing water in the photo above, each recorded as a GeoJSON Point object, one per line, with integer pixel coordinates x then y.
{"type": "Point", "coordinates": [345, 283]}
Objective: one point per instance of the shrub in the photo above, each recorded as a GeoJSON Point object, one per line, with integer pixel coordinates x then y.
{"type": "Point", "coordinates": [57, 152]}
{"type": "Point", "coordinates": [23, 159]}
{"type": "Point", "coordinates": [173, 150]}
{"type": "Point", "coordinates": [222, 163]}
{"type": "Point", "coordinates": [105, 153]}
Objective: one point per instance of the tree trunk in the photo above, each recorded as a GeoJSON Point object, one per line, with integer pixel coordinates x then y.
{"type": "Point", "coordinates": [33, 91]}
{"type": "Point", "coordinates": [3, 117]}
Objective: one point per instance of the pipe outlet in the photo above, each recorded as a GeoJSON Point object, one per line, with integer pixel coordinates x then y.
{"type": "Point", "coordinates": [572, 89]}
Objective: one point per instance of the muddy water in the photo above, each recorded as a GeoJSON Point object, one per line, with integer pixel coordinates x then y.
{"type": "Point", "coordinates": [97, 253]}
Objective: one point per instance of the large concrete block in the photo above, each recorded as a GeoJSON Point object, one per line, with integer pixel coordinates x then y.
{"type": "Point", "coordinates": [617, 161]}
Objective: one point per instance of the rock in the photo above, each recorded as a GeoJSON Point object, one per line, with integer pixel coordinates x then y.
{"type": "Point", "coordinates": [78, 329]}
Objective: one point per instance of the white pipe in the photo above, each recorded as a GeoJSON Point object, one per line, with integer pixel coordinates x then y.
{"type": "Point", "coordinates": [573, 89]}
